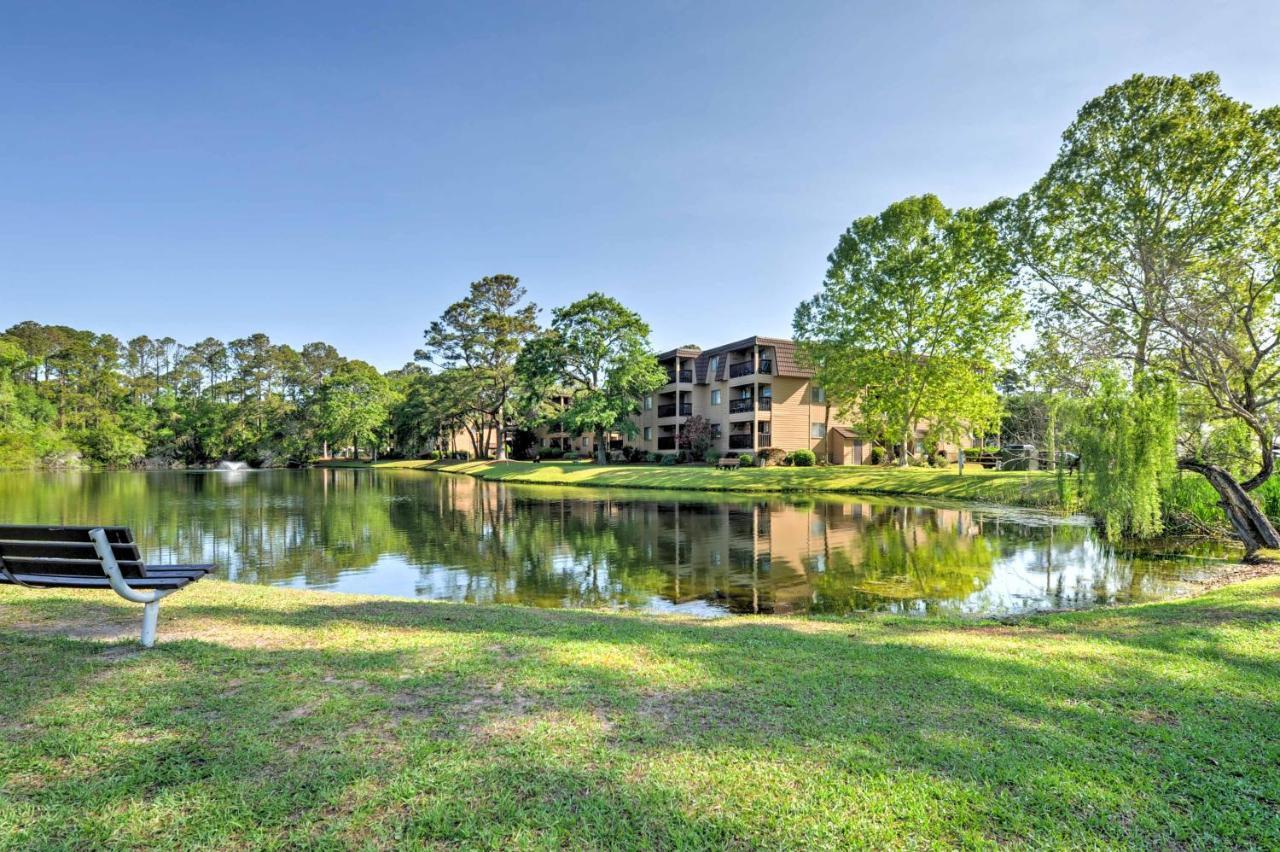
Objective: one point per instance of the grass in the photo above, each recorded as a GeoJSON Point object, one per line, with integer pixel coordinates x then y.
{"type": "Point", "coordinates": [280, 718]}
{"type": "Point", "coordinates": [1019, 488]}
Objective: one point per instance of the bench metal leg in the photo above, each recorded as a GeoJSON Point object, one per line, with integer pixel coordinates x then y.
{"type": "Point", "coordinates": [150, 617]}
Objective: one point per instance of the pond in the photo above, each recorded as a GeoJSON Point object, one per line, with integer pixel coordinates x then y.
{"type": "Point", "coordinates": [455, 538]}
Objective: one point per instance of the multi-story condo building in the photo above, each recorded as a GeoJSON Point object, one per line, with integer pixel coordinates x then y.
{"type": "Point", "coordinates": [756, 395]}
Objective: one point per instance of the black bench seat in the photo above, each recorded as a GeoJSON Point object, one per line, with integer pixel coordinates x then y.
{"type": "Point", "coordinates": [91, 558]}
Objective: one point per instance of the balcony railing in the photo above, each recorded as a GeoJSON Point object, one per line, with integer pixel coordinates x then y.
{"type": "Point", "coordinates": [738, 406]}
{"type": "Point", "coordinates": [765, 403]}
{"type": "Point", "coordinates": [669, 410]}
{"type": "Point", "coordinates": [667, 443]}
{"type": "Point", "coordinates": [684, 377]}
{"type": "Point", "coordinates": [764, 439]}
{"type": "Point", "coordinates": [765, 367]}
{"type": "Point", "coordinates": [746, 368]}
{"type": "Point", "coordinates": [740, 441]}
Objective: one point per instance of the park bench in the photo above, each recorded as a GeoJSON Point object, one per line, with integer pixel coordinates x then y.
{"type": "Point", "coordinates": [55, 557]}
{"type": "Point", "coordinates": [728, 462]}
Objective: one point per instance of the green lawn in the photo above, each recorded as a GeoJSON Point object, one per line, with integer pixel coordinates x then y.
{"type": "Point", "coordinates": [1010, 487]}
{"type": "Point", "coordinates": [285, 718]}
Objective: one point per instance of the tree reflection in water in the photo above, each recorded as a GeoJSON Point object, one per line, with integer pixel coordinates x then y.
{"type": "Point", "coordinates": [456, 538]}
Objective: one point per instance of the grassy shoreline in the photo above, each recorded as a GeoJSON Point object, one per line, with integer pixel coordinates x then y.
{"type": "Point", "coordinates": [273, 717]}
{"type": "Point", "coordinates": [1015, 488]}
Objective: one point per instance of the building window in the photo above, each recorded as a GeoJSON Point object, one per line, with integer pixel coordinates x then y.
{"type": "Point", "coordinates": [715, 430]}
{"type": "Point", "coordinates": [715, 397]}
{"type": "Point", "coordinates": [648, 403]}
{"type": "Point", "coordinates": [766, 392]}
{"type": "Point", "coordinates": [585, 442]}
{"type": "Point", "coordinates": [715, 365]}
{"type": "Point", "coordinates": [818, 431]}
{"type": "Point", "coordinates": [819, 396]}
{"type": "Point", "coordinates": [648, 433]}
{"type": "Point", "coordinates": [744, 392]}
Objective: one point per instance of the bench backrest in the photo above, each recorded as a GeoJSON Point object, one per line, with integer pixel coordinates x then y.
{"type": "Point", "coordinates": [66, 551]}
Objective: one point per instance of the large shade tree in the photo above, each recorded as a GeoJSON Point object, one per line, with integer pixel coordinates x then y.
{"type": "Point", "coordinates": [1153, 236]}
{"type": "Point", "coordinates": [597, 352]}
{"type": "Point", "coordinates": [482, 335]}
{"type": "Point", "coordinates": [915, 313]}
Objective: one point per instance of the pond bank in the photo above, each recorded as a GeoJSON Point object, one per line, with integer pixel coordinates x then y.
{"type": "Point", "coordinates": [1013, 488]}
{"type": "Point", "coordinates": [272, 717]}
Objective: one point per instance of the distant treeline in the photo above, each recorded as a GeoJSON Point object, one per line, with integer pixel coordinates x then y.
{"type": "Point", "coordinates": [71, 397]}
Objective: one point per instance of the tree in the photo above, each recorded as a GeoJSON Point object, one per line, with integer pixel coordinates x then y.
{"type": "Point", "coordinates": [598, 352]}
{"type": "Point", "coordinates": [1154, 236]}
{"type": "Point", "coordinates": [355, 400]}
{"type": "Point", "coordinates": [697, 435]}
{"type": "Point", "coordinates": [483, 334]}
{"type": "Point", "coordinates": [916, 311]}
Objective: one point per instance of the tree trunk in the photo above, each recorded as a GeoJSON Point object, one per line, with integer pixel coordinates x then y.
{"type": "Point", "coordinates": [602, 448]}
{"type": "Point", "coordinates": [902, 456]}
{"type": "Point", "coordinates": [1251, 526]}
{"type": "Point", "coordinates": [501, 421]}
{"type": "Point", "coordinates": [355, 447]}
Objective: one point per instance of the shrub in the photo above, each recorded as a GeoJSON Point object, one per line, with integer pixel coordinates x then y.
{"type": "Point", "coordinates": [802, 458]}
{"type": "Point", "coordinates": [745, 460]}
{"type": "Point", "coordinates": [549, 452]}
{"type": "Point", "coordinates": [572, 456]}
{"type": "Point", "coordinates": [877, 455]}
{"type": "Point", "coordinates": [711, 456]}
{"type": "Point", "coordinates": [771, 456]}
{"type": "Point", "coordinates": [938, 459]}
{"type": "Point", "coordinates": [651, 458]}
{"type": "Point", "coordinates": [668, 460]}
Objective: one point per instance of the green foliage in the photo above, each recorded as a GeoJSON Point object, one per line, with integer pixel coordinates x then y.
{"type": "Point", "coordinates": [744, 459]}
{"type": "Point", "coordinates": [480, 337]}
{"type": "Point", "coordinates": [597, 352]}
{"type": "Point", "coordinates": [803, 458]}
{"type": "Point", "coordinates": [1127, 448]}
{"type": "Point", "coordinates": [710, 455]}
{"type": "Point", "coordinates": [69, 396]}
{"type": "Point", "coordinates": [668, 460]}
{"type": "Point", "coordinates": [916, 312]}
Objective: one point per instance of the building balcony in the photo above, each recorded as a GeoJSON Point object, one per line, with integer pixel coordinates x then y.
{"type": "Point", "coordinates": [741, 441]}
{"type": "Point", "coordinates": [741, 406]}
{"type": "Point", "coordinates": [667, 442]}
{"type": "Point", "coordinates": [747, 368]}
{"type": "Point", "coordinates": [684, 377]}
{"type": "Point", "coordinates": [764, 439]}
{"type": "Point", "coordinates": [765, 403]}
{"type": "Point", "coordinates": [684, 409]}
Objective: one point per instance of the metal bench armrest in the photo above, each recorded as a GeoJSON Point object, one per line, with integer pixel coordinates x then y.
{"type": "Point", "coordinates": [112, 570]}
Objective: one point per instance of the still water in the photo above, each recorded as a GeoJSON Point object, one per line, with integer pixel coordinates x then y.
{"type": "Point", "coordinates": [444, 537]}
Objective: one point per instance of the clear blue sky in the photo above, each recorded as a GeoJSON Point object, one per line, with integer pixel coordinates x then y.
{"type": "Point", "coordinates": [341, 171]}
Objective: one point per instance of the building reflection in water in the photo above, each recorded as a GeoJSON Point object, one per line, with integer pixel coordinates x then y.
{"type": "Point", "coordinates": [456, 538]}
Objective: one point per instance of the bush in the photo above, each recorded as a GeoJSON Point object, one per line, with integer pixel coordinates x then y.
{"type": "Point", "coordinates": [651, 458]}
{"type": "Point", "coordinates": [550, 453]}
{"type": "Point", "coordinates": [711, 456]}
{"type": "Point", "coordinates": [938, 459]}
{"type": "Point", "coordinates": [877, 455]}
{"type": "Point", "coordinates": [668, 460]}
{"type": "Point", "coordinates": [571, 456]}
{"type": "Point", "coordinates": [802, 458]}
{"type": "Point", "coordinates": [745, 460]}
{"type": "Point", "coordinates": [771, 456]}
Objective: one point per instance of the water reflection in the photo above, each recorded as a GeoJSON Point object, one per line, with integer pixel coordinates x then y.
{"type": "Point", "coordinates": [454, 538]}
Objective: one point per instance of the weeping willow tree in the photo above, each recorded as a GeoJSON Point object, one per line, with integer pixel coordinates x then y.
{"type": "Point", "coordinates": [1128, 452]}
